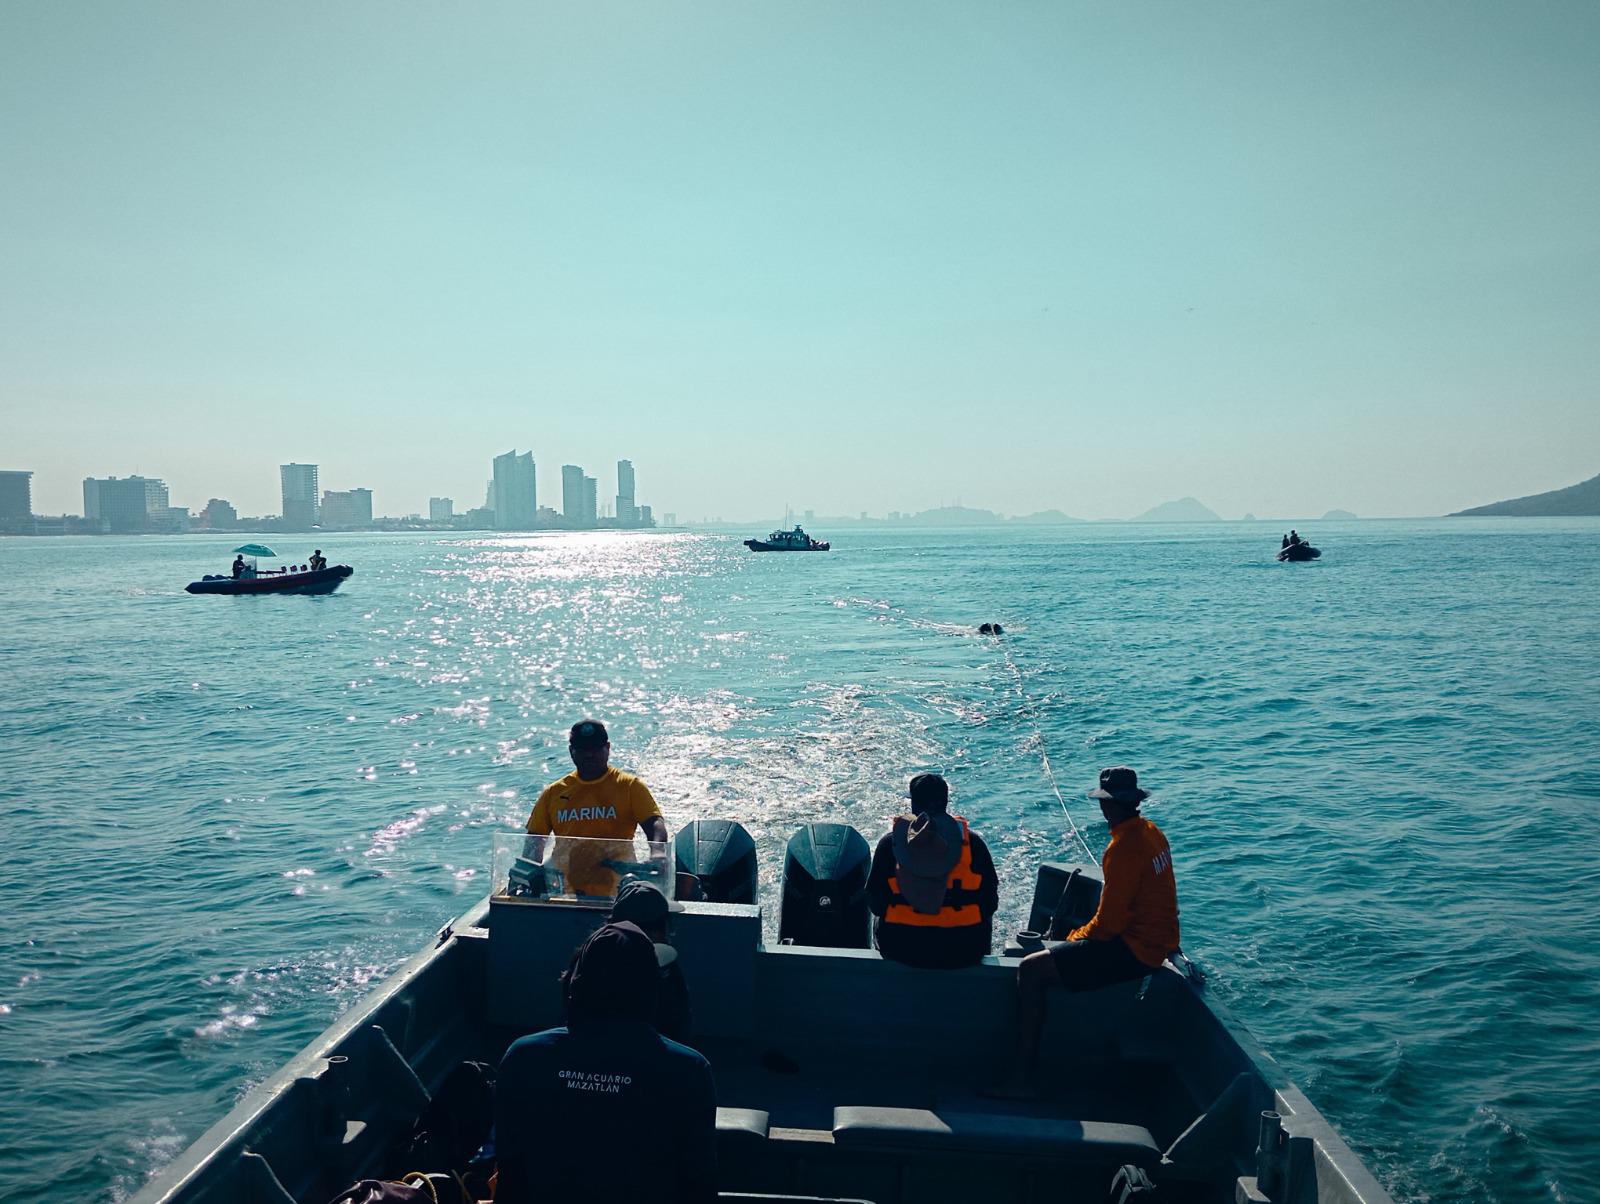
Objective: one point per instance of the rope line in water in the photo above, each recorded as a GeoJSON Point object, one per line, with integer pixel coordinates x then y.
{"type": "Point", "coordinates": [1032, 712]}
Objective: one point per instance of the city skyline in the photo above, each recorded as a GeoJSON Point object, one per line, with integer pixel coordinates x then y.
{"type": "Point", "coordinates": [1283, 258]}
{"type": "Point", "coordinates": [301, 496]}
{"type": "Point", "coordinates": [354, 509]}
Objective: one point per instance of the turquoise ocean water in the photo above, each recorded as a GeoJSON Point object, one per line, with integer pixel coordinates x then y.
{"type": "Point", "coordinates": [226, 819]}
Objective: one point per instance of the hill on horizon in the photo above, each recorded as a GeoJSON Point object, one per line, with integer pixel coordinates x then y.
{"type": "Point", "coordinates": [1337, 514]}
{"type": "Point", "coordinates": [1580, 499]}
{"type": "Point", "coordinates": [1043, 517]}
{"type": "Point", "coordinates": [1184, 510]}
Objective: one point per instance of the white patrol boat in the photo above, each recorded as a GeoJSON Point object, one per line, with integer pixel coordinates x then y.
{"type": "Point", "coordinates": [787, 541]}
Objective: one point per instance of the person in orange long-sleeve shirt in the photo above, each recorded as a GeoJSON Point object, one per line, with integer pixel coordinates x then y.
{"type": "Point", "coordinates": [1131, 933]}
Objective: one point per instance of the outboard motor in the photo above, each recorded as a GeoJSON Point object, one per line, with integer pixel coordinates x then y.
{"type": "Point", "coordinates": [721, 854]}
{"type": "Point", "coordinates": [1064, 897]}
{"type": "Point", "coordinates": [825, 888]}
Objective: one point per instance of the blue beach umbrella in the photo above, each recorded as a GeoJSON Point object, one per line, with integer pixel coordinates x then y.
{"type": "Point", "coordinates": [254, 549]}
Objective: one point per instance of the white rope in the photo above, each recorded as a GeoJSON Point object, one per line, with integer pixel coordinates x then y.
{"type": "Point", "coordinates": [1032, 712]}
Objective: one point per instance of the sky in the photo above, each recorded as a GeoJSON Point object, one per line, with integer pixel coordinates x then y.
{"type": "Point", "coordinates": [833, 255]}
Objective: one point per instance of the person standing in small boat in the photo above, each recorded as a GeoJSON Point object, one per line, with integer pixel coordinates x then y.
{"type": "Point", "coordinates": [598, 801]}
{"type": "Point", "coordinates": [933, 886]}
{"type": "Point", "coordinates": [238, 567]}
{"type": "Point", "coordinates": [1132, 932]}
{"type": "Point", "coordinates": [318, 561]}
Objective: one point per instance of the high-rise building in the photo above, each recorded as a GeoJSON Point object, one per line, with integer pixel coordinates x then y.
{"type": "Point", "coordinates": [579, 502]}
{"type": "Point", "coordinates": [299, 496]}
{"type": "Point", "coordinates": [572, 495]}
{"type": "Point", "coordinates": [625, 499]}
{"type": "Point", "coordinates": [219, 515]}
{"type": "Point", "coordinates": [441, 509]}
{"type": "Point", "coordinates": [643, 517]}
{"type": "Point", "coordinates": [347, 508]}
{"type": "Point", "coordinates": [16, 500]}
{"type": "Point", "coordinates": [129, 504]}
{"type": "Point", "coordinates": [515, 489]}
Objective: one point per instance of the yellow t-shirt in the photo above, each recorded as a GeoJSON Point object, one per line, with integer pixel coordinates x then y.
{"type": "Point", "coordinates": [610, 807]}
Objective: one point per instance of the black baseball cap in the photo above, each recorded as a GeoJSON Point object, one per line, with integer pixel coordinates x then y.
{"type": "Point", "coordinates": [1120, 784]}
{"type": "Point", "coordinates": [614, 975]}
{"type": "Point", "coordinates": [642, 903]}
{"type": "Point", "coordinates": [588, 732]}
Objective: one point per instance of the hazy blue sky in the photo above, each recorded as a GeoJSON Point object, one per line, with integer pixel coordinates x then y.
{"type": "Point", "coordinates": [1094, 256]}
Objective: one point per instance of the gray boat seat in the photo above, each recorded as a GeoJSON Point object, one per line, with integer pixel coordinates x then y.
{"type": "Point", "coordinates": [742, 1124]}
{"type": "Point", "coordinates": [1034, 1137]}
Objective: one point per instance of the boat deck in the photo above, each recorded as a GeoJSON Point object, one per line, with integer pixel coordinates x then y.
{"type": "Point", "coordinates": [840, 1076]}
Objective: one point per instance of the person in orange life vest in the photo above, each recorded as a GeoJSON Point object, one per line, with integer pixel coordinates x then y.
{"type": "Point", "coordinates": [599, 801]}
{"type": "Point", "coordinates": [1131, 933]}
{"type": "Point", "coordinates": [932, 886]}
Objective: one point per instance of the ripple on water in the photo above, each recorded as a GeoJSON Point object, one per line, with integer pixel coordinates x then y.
{"type": "Point", "coordinates": [1379, 780]}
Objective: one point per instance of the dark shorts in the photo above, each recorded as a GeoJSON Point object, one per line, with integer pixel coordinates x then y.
{"type": "Point", "coordinates": [1087, 965]}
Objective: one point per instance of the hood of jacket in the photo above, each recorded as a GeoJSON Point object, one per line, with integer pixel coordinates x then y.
{"type": "Point", "coordinates": [926, 849]}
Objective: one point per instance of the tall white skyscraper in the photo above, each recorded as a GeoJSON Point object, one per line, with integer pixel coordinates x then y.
{"type": "Point", "coordinates": [300, 511]}
{"type": "Point", "coordinates": [515, 489]}
{"type": "Point", "coordinates": [625, 499]}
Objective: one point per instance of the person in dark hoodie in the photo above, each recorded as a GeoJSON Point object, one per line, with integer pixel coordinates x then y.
{"type": "Point", "coordinates": [573, 1103]}
{"type": "Point", "coordinates": [933, 886]}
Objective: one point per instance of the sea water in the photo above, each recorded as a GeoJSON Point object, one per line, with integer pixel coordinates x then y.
{"type": "Point", "coordinates": [225, 819]}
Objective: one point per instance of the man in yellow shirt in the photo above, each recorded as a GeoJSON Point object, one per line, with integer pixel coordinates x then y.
{"type": "Point", "coordinates": [1131, 933]}
{"type": "Point", "coordinates": [598, 801]}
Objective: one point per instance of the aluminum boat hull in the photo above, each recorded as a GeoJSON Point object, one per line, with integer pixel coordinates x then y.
{"type": "Point", "coordinates": [840, 1075]}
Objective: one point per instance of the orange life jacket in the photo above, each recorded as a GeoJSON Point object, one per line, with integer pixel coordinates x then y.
{"type": "Point", "coordinates": [960, 908]}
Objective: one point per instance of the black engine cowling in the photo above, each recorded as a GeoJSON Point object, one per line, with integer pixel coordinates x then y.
{"type": "Point", "coordinates": [825, 888]}
{"type": "Point", "coordinates": [722, 855]}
